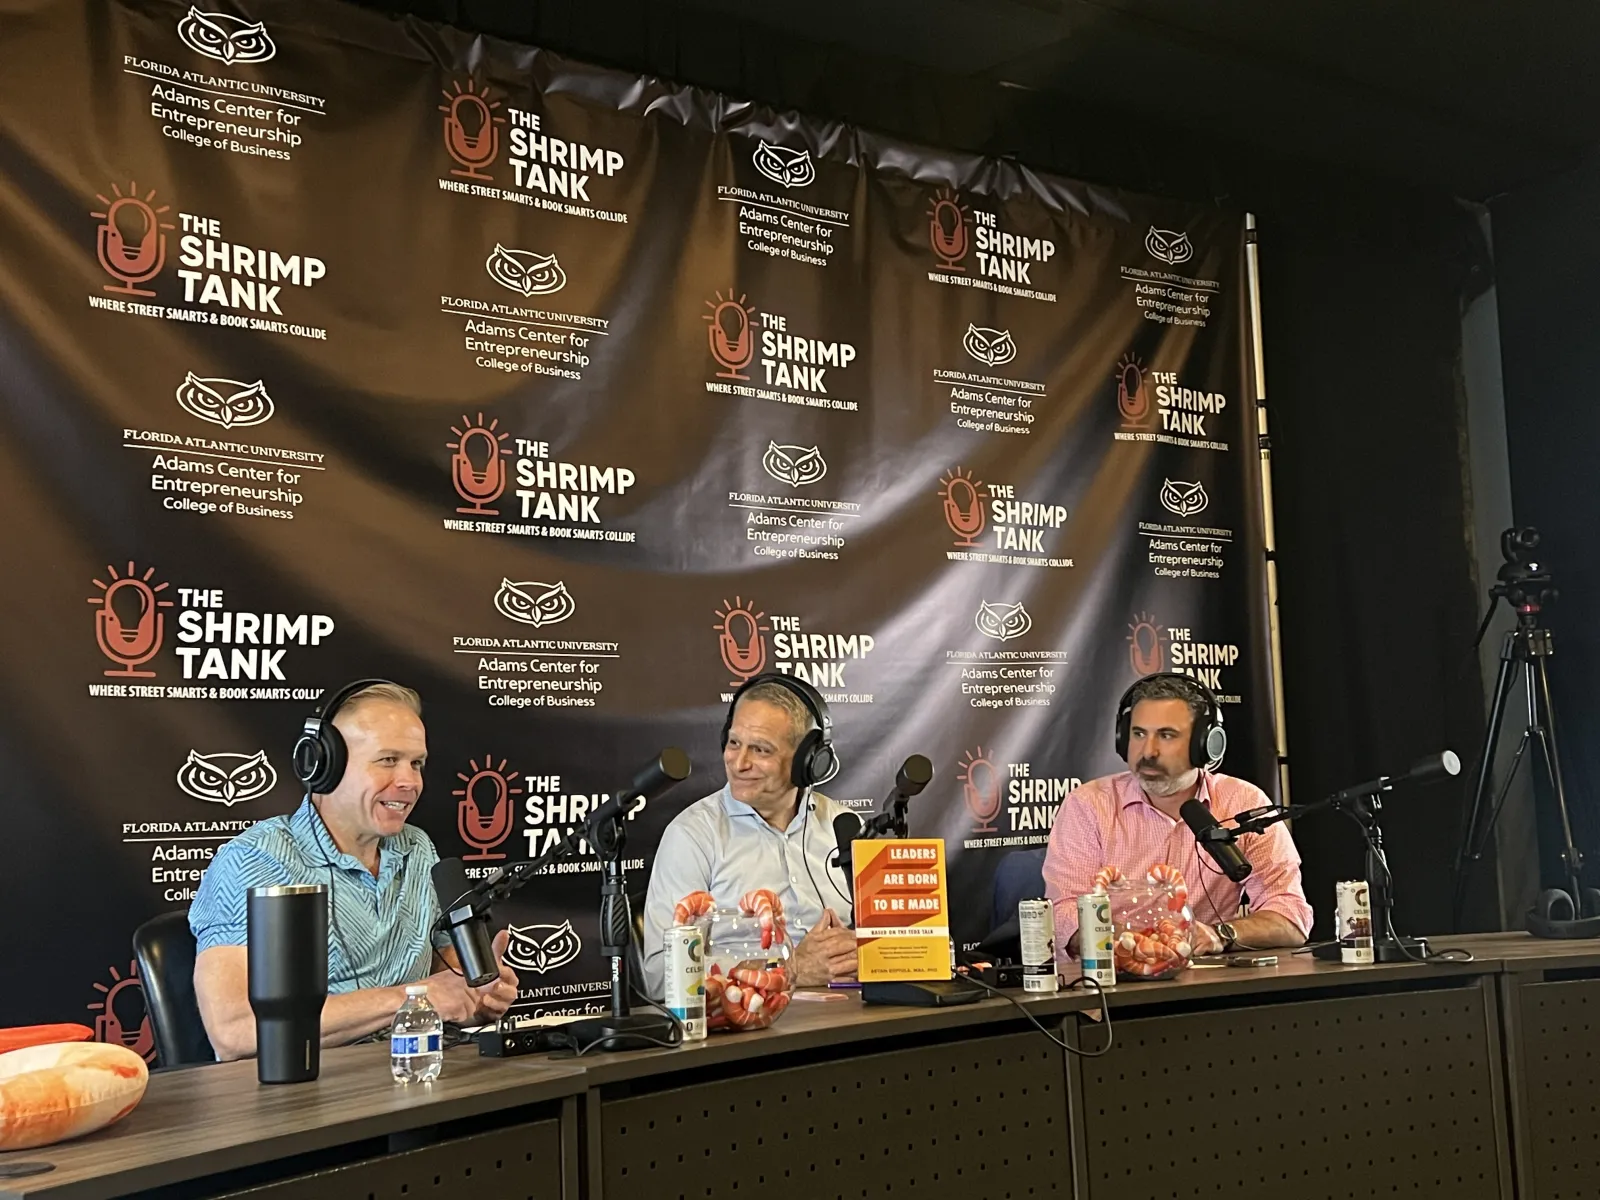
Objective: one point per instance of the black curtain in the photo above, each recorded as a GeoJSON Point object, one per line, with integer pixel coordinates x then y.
{"type": "Point", "coordinates": [1549, 247]}
{"type": "Point", "coordinates": [1364, 281]}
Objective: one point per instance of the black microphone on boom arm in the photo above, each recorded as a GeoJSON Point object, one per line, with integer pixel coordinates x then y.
{"type": "Point", "coordinates": [914, 775]}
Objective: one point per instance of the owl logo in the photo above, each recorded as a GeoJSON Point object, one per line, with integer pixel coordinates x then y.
{"type": "Point", "coordinates": [524, 272]}
{"type": "Point", "coordinates": [794, 465]}
{"type": "Point", "coordinates": [788, 168]}
{"type": "Point", "coordinates": [227, 779]}
{"type": "Point", "coordinates": [1171, 247]}
{"type": "Point", "coordinates": [1184, 499]}
{"type": "Point", "coordinates": [534, 603]}
{"type": "Point", "coordinates": [1002, 621]}
{"type": "Point", "coordinates": [991, 347]}
{"type": "Point", "coordinates": [225, 402]}
{"type": "Point", "coordinates": [227, 39]}
{"type": "Point", "coordinates": [542, 948]}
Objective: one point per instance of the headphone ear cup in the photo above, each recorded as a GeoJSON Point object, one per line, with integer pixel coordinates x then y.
{"type": "Point", "coordinates": [1124, 723]}
{"type": "Point", "coordinates": [1555, 905]}
{"type": "Point", "coordinates": [1216, 747]}
{"type": "Point", "coordinates": [803, 771]}
{"type": "Point", "coordinates": [320, 757]}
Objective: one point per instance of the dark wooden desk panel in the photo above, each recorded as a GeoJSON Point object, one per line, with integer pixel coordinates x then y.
{"type": "Point", "coordinates": [212, 1119]}
{"type": "Point", "coordinates": [1343, 1094]}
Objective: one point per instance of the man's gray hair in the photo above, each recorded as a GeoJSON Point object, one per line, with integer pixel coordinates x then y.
{"type": "Point", "coordinates": [801, 722]}
{"type": "Point", "coordinates": [392, 693]}
{"type": "Point", "coordinates": [1172, 688]}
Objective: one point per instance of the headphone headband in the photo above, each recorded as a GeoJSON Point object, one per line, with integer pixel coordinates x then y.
{"type": "Point", "coordinates": [1208, 741]}
{"type": "Point", "coordinates": [815, 760]}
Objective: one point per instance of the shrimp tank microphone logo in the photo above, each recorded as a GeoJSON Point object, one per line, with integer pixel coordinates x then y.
{"type": "Point", "coordinates": [947, 230]}
{"type": "Point", "coordinates": [533, 603]}
{"type": "Point", "coordinates": [991, 347]}
{"type": "Point", "coordinates": [1133, 393]}
{"type": "Point", "coordinates": [963, 506]}
{"type": "Point", "coordinates": [227, 39]}
{"type": "Point", "coordinates": [483, 810]}
{"type": "Point", "coordinates": [225, 402]}
{"type": "Point", "coordinates": [129, 241]}
{"type": "Point", "coordinates": [471, 130]}
{"type": "Point", "coordinates": [1002, 621]}
{"type": "Point", "coordinates": [741, 637]}
{"type": "Point", "coordinates": [122, 1018]}
{"type": "Point", "coordinates": [227, 779]}
{"type": "Point", "coordinates": [980, 789]}
{"type": "Point", "coordinates": [1146, 652]}
{"type": "Point", "coordinates": [477, 468]}
{"type": "Point", "coordinates": [542, 948]}
{"type": "Point", "coordinates": [787, 168]}
{"type": "Point", "coordinates": [731, 334]}
{"type": "Point", "coordinates": [1170, 246]}
{"type": "Point", "coordinates": [1183, 499]}
{"type": "Point", "coordinates": [794, 465]}
{"type": "Point", "coordinates": [525, 272]}
{"type": "Point", "coordinates": [129, 626]}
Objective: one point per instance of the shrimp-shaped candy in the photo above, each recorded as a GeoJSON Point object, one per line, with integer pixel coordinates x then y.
{"type": "Point", "coordinates": [1105, 878]}
{"type": "Point", "coordinates": [1168, 876]}
{"type": "Point", "coordinates": [695, 904]}
{"type": "Point", "coordinates": [764, 905]}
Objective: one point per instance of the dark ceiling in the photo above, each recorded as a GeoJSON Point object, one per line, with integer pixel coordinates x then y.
{"type": "Point", "coordinates": [1470, 97]}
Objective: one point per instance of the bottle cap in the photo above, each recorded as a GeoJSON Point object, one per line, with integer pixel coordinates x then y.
{"type": "Point", "coordinates": [416, 989]}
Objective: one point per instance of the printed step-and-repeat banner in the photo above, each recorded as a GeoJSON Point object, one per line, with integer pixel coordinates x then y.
{"type": "Point", "coordinates": [335, 346]}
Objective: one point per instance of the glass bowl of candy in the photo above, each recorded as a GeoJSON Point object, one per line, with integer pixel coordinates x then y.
{"type": "Point", "coordinates": [749, 970]}
{"type": "Point", "coordinates": [1152, 926]}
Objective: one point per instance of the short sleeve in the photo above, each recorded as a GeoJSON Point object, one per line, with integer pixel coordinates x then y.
{"type": "Point", "coordinates": [217, 916]}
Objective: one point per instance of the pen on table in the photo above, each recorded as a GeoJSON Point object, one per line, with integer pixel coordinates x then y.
{"type": "Point", "coordinates": [844, 983]}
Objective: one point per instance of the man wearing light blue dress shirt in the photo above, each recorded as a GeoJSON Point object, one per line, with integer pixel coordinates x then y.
{"type": "Point", "coordinates": [756, 833]}
{"type": "Point", "coordinates": [355, 841]}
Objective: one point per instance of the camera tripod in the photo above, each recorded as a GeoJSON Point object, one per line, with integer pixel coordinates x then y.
{"type": "Point", "coordinates": [1524, 654]}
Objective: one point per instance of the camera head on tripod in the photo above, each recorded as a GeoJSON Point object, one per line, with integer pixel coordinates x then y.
{"type": "Point", "coordinates": [1522, 579]}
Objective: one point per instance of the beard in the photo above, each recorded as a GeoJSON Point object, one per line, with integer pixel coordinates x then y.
{"type": "Point", "coordinates": [1166, 785]}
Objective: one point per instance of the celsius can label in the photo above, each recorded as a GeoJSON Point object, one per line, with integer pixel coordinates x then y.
{"type": "Point", "coordinates": [1096, 935]}
{"type": "Point", "coordinates": [1353, 921]}
{"type": "Point", "coordinates": [1037, 920]}
{"type": "Point", "coordinates": [686, 979]}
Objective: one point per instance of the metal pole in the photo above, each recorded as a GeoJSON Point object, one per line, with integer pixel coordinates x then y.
{"type": "Point", "coordinates": [1258, 388]}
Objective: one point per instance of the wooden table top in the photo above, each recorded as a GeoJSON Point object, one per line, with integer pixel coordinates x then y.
{"type": "Point", "coordinates": [205, 1120]}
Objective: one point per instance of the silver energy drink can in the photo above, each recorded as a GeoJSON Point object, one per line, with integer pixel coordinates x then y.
{"type": "Point", "coordinates": [1095, 938]}
{"type": "Point", "coordinates": [686, 979]}
{"type": "Point", "coordinates": [1353, 921]}
{"type": "Point", "coordinates": [1037, 919]}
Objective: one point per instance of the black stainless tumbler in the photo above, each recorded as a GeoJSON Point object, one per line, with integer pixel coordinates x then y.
{"type": "Point", "coordinates": [287, 935]}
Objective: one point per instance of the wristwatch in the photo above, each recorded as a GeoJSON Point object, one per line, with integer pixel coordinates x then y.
{"type": "Point", "coordinates": [1229, 936]}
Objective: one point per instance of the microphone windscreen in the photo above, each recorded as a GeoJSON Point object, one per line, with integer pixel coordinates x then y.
{"type": "Point", "coordinates": [450, 882]}
{"type": "Point", "coordinates": [915, 773]}
{"type": "Point", "coordinates": [845, 827]}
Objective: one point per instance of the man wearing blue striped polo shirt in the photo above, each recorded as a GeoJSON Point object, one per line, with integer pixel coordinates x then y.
{"type": "Point", "coordinates": [354, 840]}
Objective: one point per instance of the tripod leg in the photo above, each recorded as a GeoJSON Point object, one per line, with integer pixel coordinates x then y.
{"type": "Point", "coordinates": [1571, 856]}
{"type": "Point", "coordinates": [1469, 832]}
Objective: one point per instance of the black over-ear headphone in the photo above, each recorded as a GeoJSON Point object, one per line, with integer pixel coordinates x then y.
{"type": "Point", "coordinates": [815, 760]}
{"type": "Point", "coordinates": [1208, 741]}
{"type": "Point", "coordinates": [320, 754]}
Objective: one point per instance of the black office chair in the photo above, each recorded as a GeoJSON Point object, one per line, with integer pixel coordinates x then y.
{"type": "Point", "coordinates": [164, 948]}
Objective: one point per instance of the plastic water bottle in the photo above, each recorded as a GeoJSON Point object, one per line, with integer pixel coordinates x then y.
{"type": "Point", "coordinates": [416, 1040]}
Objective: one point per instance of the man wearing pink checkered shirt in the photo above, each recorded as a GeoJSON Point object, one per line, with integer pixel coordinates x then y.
{"type": "Point", "coordinates": [1130, 820]}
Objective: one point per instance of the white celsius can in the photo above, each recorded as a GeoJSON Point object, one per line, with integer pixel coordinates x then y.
{"type": "Point", "coordinates": [1095, 938]}
{"type": "Point", "coordinates": [686, 979]}
{"type": "Point", "coordinates": [1037, 921]}
{"type": "Point", "coordinates": [1352, 923]}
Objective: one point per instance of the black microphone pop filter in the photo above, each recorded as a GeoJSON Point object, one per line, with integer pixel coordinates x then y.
{"type": "Point", "coordinates": [660, 774]}
{"type": "Point", "coordinates": [1223, 852]}
{"type": "Point", "coordinates": [914, 775]}
{"type": "Point", "coordinates": [466, 921]}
